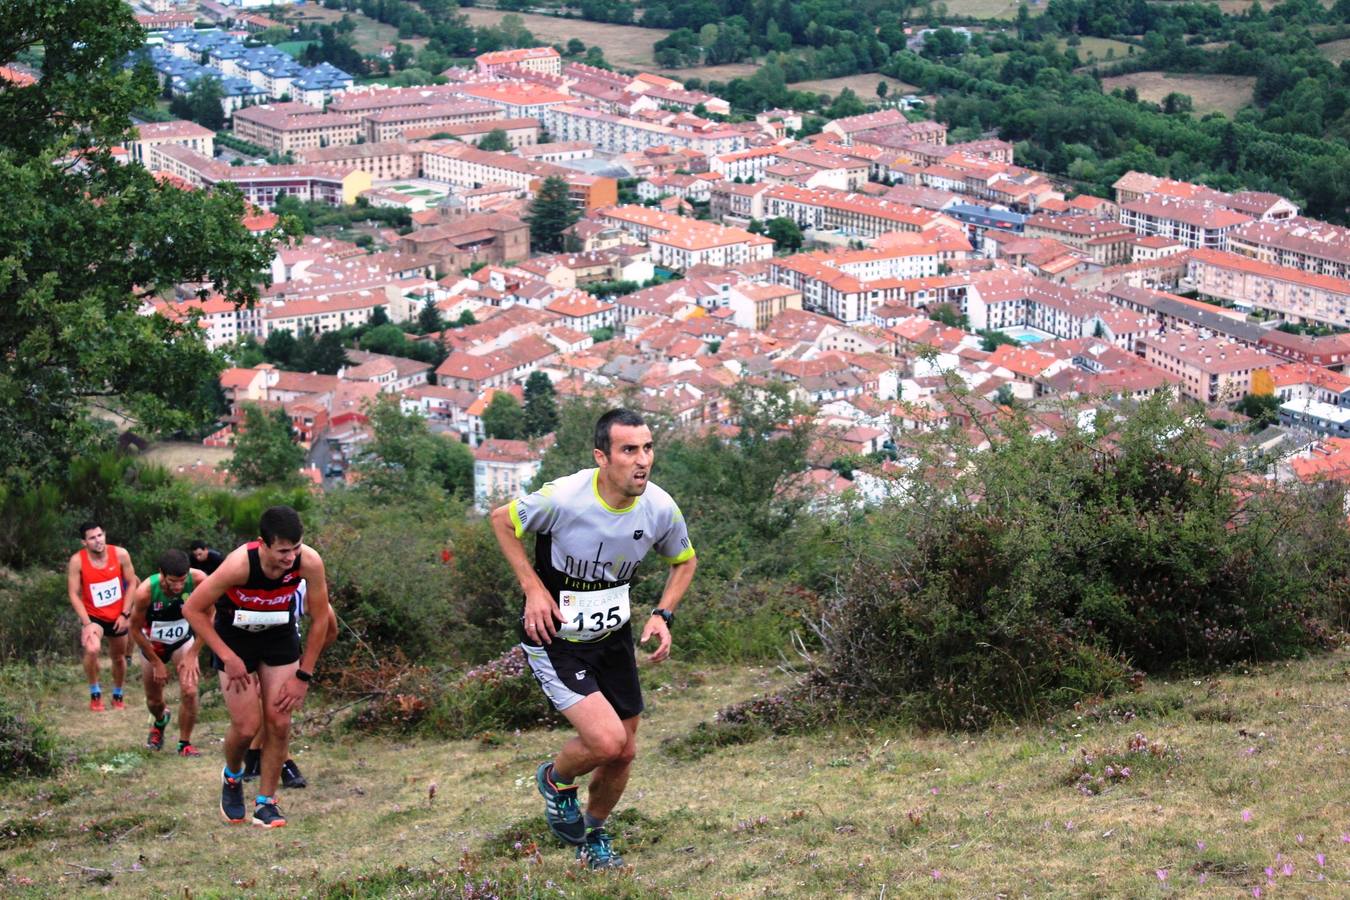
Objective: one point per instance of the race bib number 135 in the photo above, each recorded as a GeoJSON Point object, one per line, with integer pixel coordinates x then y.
{"type": "Point", "coordinates": [588, 615]}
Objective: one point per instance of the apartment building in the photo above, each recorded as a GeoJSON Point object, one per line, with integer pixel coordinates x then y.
{"type": "Point", "coordinates": [1291, 294]}
{"type": "Point", "coordinates": [390, 124]}
{"type": "Point", "coordinates": [1316, 247]}
{"type": "Point", "coordinates": [619, 134]}
{"type": "Point", "coordinates": [334, 185]}
{"type": "Point", "coordinates": [517, 99]}
{"type": "Point", "coordinates": [1209, 371]}
{"type": "Point", "coordinates": [179, 132]}
{"type": "Point", "coordinates": [520, 133]}
{"type": "Point", "coordinates": [534, 59]}
{"type": "Point", "coordinates": [286, 127]}
{"type": "Point", "coordinates": [857, 214]}
{"type": "Point", "coordinates": [328, 312]}
{"type": "Point", "coordinates": [469, 167]}
{"type": "Point", "coordinates": [1105, 243]}
{"type": "Point", "coordinates": [682, 243]}
{"type": "Point", "coordinates": [728, 200]}
{"type": "Point", "coordinates": [1193, 223]}
{"type": "Point", "coordinates": [503, 469]}
{"type": "Point", "coordinates": [744, 164]}
{"type": "Point", "coordinates": [1259, 205]}
{"type": "Point", "coordinates": [383, 161]}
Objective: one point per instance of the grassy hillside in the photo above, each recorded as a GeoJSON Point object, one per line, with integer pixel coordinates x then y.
{"type": "Point", "coordinates": [1234, 776]}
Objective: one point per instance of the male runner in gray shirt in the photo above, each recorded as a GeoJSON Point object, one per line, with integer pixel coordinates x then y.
{"type": "Point", "coordinates": [592, 529]}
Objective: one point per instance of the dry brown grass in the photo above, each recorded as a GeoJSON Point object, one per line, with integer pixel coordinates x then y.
{"type": "Point", "coordinates": [1209, 93]}
{"type": "Point", "coordinates": [172, 454]}
{"type": "Point", "coordinates": [847, 813]}
{"type": "Point", "coordinates": [369, 37]}
{"type": "Point", "coordinates": [625, 46]}
{"type": "Point", "coordinates": [1336, 51]}
{"type": "Point", "coordinates": [865, 86]}
{"type": "Point", "coordinates": [722, 72]}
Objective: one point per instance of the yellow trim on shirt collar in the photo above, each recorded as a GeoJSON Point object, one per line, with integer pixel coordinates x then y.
{"type": "Point", "coordinates": [595, 489]}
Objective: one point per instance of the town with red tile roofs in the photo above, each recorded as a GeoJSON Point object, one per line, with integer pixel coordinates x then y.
{"type": "Point", "coordinates": [895, 281]}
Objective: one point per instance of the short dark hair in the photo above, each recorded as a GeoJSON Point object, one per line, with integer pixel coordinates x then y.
{"type": "Point", "coordinates": [614, 417]}
{"type": "Point", "coordinates": [173, 562]}
{"type": "Point", "coordinates": [280, 522]}
{"type": "Point", "coordinates": [199, 545]}
{"type": "Point", "coordinates": [86, 527]}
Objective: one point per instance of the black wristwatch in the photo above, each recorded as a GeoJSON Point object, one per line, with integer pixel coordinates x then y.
{"type": "Point", "coordinates": [665, 614]}
{"type": "Point", "coordinates": [303, 675]}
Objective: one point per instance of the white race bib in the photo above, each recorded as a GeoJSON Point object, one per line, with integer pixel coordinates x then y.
{"type": "Point", "coordinates": [590, 615]}
{"type": "Point", "coordinates": [106, 593]}
{"type": "Point", "coordinates": [169, 632]}
{"type": "Point", "coordinates": [258, 620]}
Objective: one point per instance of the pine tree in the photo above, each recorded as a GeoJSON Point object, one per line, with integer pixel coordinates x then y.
{"type": "Point", "coordinates": [550, 215]}
{"type": "Point", "coordinates": [541, 405]}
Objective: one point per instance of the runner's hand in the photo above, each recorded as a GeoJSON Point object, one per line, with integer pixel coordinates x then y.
{"type": "Point", "coordinates": [90, 637]}
{"type": "Point", "coordinates": [291, 695]}
{"type": "Point", "coordinates": [125, 629]}
{"type": "Point", "coordinates": [236, 674]}
{"type": "Point", "coordinates": [188, 673]}
{"type": "Point", "coordinates": [657, 628]}
{"type": "Point", "coordinates": [159, 674]}
{"type": "Point", "coordinates": [541, 616]}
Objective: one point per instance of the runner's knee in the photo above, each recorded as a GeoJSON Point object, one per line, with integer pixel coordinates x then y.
{"type": "Point", "coordinates": [277, 722]}
{"type": "Point", "coordinates": [608, 745]}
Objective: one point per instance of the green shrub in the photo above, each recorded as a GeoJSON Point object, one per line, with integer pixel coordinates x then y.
{"type": "Point", "coordinates": [27, 749]}
{"type": "Point", "coordinates": [1020, 580]}
{"type": "Point", "coordinates": [498, 696]}
{"type": "Point", "coordinates": [36, 621]}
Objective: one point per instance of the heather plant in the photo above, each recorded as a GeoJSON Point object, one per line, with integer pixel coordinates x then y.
{"type": "Point", "coordinates": [1043, 571]}
{"type": "Point", "coordinates": [27, 748]}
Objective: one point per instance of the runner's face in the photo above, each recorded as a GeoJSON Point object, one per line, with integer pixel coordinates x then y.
{"type": "Point", "coordinates": [173, 584]}
{"type": "Point", "coordinates": [280, 555]}
{"type": "Point", "coordinates": [95, 541]}
{"type": "Point", "coordinates": [200, 554]}
{"type": "Point", "coordinates": [629, 463]}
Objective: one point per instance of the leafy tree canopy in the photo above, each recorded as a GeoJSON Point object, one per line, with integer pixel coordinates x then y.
{"type": "Point", "coordinates": [265, 452]}
{"type": "Point", "coordinates": [86, 242]}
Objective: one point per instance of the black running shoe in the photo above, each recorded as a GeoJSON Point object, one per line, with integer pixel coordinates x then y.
{"type": "Point", "coordinates": [156, 739]}
{"type": "Point", "coordinates": [266, 815]}
{"type": "Point", "coordinates": [561, 809]}
{"type": "Point", "coordinates": [598, 852]}
{"type": "Point", "coordinates": [232, 799]}
{"type": "Point", "coordinates": [290, 775]}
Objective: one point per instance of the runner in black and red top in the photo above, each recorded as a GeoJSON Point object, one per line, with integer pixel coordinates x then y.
{"type": "Point", "coordinates": [256, 648]}
{"type": "Point", "coordinates": [158, 627]}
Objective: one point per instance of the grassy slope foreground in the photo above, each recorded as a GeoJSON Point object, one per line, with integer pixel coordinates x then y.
{"type": "Point", "coordinates": [1238, 782]}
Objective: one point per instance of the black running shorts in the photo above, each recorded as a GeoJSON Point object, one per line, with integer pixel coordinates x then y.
{"type": "Point", "coordinates": [277, 646]}
{"type": "Point", "coordinates": [569, 671]}
{"type": "Point", "coordinates": [165, 652]}
{"type": "Point", "coordinates": [110, 628]}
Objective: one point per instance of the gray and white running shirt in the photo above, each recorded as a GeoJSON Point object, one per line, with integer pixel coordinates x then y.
{"type": "Point", "coordinates": [586, 552]}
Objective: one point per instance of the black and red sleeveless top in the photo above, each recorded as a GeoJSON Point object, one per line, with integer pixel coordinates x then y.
{"type": "Point", "coordinates": [260, 593]}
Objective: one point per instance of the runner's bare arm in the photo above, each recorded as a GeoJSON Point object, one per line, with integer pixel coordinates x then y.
{"type": "Point", "coordinates": [233, 572]}
{"type": "Point", "coordinates": [73, 588]}
{"type": "Point", "coordinates": [129, 577]}
{"type": "Point", "coordinates": [140, 605]}
{"type": "Point", "coordinates": [540, 610]}
{"type": "Point", "coordinates": [677, 582]}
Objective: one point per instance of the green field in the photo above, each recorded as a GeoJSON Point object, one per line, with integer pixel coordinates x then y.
{"type": "Point", "coordinates": [1095, 49]}
{"type": "Point", "coordinates": [294, 48]}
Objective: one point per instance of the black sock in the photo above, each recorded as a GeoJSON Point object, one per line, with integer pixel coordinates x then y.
{"type": "Point", "coordinates": [252, 759]}
{"type": "Point", "coordinates": [182, 744]}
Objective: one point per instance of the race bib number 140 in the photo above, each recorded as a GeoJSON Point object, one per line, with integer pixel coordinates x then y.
{"type": "Point", "coordinates": [589, 615]}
